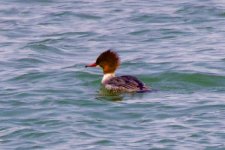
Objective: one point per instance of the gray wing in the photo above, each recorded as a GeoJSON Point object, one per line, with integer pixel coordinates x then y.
{"type": "Point", "coordinates": [126, 83]}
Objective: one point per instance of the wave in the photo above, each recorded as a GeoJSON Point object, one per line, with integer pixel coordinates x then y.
{"type": "Point", "coordinates": [185, 81]}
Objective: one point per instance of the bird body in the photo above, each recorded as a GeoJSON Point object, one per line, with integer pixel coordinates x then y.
{"type": "Point", "coordinates": [109, 61]}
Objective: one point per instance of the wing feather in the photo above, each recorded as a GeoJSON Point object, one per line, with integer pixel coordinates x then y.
{"type": "Point", "coordinates": [125, 83]}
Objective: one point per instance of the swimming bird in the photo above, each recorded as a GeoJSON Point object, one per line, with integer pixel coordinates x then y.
{"type": "Point", "coordinates": [109, 61]}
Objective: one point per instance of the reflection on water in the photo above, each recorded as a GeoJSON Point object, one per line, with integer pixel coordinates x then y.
{"type": "Point", "coordinates": [104, 94]}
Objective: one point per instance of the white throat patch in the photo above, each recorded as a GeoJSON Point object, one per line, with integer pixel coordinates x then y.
{"type": "Point", "coordinates": [107, 76]}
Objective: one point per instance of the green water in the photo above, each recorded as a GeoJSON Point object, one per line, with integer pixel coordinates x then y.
{"type": "Point", "coordinates": [49, 100]}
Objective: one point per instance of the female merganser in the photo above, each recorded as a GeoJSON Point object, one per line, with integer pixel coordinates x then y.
{"type": "Point", "coordinates": [109, 61]}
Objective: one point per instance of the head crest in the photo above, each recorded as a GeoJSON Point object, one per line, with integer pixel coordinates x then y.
{"type": "Point", "coordinates": [109, 61]}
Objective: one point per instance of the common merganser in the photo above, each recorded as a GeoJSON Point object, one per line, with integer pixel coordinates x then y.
{"type": "Point", "coordinates": [109, 61]}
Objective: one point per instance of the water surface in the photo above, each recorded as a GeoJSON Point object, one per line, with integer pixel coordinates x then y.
{"type": "Point", "coordinates": [48, 100]}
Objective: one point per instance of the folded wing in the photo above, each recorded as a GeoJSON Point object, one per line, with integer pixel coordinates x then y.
{"type": "Point", "coordinates": [125, 83]}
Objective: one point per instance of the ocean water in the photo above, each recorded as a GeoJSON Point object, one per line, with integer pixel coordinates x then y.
{"type": "Point", "coordinates": [49, 100]}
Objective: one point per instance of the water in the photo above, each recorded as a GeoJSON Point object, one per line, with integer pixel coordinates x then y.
{"type": "Point", "coordinates": [48, 100]}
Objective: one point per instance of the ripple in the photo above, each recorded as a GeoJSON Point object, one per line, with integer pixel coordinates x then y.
{"type": "Point", "coordinates": [44, 47]}
{"type": "Point", "coordinates": [88, 16]}
{"type": "Point", "coordinates": [29, 76]}
{"type": "Point", "coordinates": [30, 61]}
{"type": "Point", "coordinates": [188, 81]}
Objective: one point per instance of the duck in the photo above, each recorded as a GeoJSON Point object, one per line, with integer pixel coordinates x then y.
{"type": "Point", "coordinates": [109, 61]}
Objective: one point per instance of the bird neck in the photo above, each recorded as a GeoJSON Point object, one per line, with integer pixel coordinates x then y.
{"type": "Point", "coordinates": [107, 76]}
